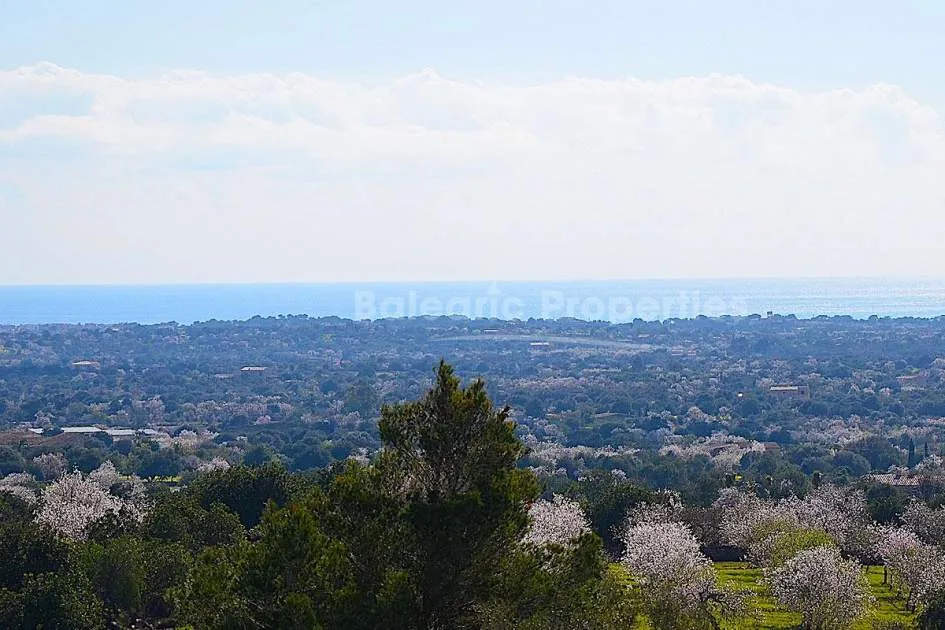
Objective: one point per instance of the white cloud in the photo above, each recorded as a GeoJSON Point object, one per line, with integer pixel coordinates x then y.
{"type": "Point", "coordinates": [259, 177]}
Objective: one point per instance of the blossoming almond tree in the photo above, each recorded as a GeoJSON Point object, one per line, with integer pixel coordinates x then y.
{"type": "Point", "coordinates": [105, 475]}
{"type": "Point", "coordinates": [829, 591]}
{"type": "Point", "coordinates": [897, 548]}
{"type": "Point", "coordinates": [71, 504]}
{"type": "Point", "coordinates": [912, 564]}
{"type": "Point", "coordinates": [217, 463]}
{"type": "Point", "coordinates": [74, 502]}
{"type": "Point", "coordinates": [668, 509]}
{"type": "Point", "coordinates": [928, 524]}
{"type": "Point", "coordinates": [560, 521]}
{"type": "Point", "coordinates": [676, 580]}
{"type": "Point", "coordinates": [924, 576]}
{"type": "Point", "coordinates": [754, 524]}
{"type": "Point", "coordinates": [20, 485]}
{"type": "Point", "coordinates": [839, 511]}
{"type": "Point", "coordinates": [51, 465]}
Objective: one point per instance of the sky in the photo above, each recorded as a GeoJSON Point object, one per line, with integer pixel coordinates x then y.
{"type": "Point", "coordinates": [365, 140]}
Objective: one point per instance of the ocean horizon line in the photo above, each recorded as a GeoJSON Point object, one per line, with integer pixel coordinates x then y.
{"type": "Point", "coordinates": [616, 301]}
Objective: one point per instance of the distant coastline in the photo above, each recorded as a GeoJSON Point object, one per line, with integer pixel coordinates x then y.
{"type": "Point", "coordinates": [613, 301]}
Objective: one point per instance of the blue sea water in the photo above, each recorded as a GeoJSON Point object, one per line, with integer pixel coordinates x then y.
{"type": "Point", "coordinates": [604, 300]}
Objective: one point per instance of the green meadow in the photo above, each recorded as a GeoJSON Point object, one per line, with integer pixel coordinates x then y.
{"type": "Point", "coordinates": [767, 615]}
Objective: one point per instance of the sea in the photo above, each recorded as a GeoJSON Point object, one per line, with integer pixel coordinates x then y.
{"type": "Point", "coordinates": [614, 301]}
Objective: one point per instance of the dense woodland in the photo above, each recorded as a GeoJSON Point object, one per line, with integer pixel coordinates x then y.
{"type": "Point", "coordinates": [299, 473]}
{"type": "Point", "coordinates": [676, 404]}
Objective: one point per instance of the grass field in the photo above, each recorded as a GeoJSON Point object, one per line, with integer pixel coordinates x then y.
{"type": "Point", "coordinates": [767, 615]}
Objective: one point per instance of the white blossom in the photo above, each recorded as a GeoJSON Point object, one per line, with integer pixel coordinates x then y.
{"type": "Point", "coordinates": [559, 521]}
{"type": "Point", "coordinates": [74, 502]}
{"type": "Point", "coordinates": [726, 451]}
{"type": "Point", "coordinates": [20, 485]}
{"type": "Point", "coordinates": [548, 455]}
{"type": "Point", "coordinates": [71, 504]}
{"type": "Point", "coordinates": [926, 523]}
{"type": "Point", "coordinates": [912, 564]}
{"type": "Point", "coordinates": [841, 512]}
{"type": "Point", "coordinates": [217, 463]}
{"type": "Point", "coordinates": [924, 576]}
{"type": "Point", "coordinates": [674, 577]}
{"type": "Point", "coordinates": [669, 511]}
{"type": "Point", "coordinates": [896, 547]}
{"type": "Point", "coordinates": [831, 593]}
{"type": "Point", "coordinates": [105, 475]}
{"type": "Point", "coordinates": [931, 466]}
{"type": "Point", "coordinates": [51, 465]}
{"type": "Point", "coordinates": [751, 523]}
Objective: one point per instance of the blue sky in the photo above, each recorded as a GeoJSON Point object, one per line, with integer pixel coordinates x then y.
{"type": "Point", "coordinates": [154, 114]}
{"type": "Point", "coordinates": [802, 43]}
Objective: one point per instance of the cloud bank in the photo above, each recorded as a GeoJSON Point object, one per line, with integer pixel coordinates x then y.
{"type": "Point", "coordinates": [193, 177]}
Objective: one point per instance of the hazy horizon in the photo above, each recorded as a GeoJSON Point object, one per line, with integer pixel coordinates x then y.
{"type": "Point", "coordinates": [485, 281]}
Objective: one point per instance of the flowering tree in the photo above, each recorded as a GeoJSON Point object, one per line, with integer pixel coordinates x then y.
{"type": "Point", "coordinates": [130, 488]}
{"type": "Point", "coordinates": [560, 521]}
{"type": "Point", "coordinates": [668, 508]}
{"type": "Point", "coordinates": [841, 512]}
{"type": "Point", "coordinates": [924, 575]}
{"type": "Point", "coordinates": [755, 524]}
{"type": "Point", "coordinates": [926, 523]}
{"type": "Point", "coordinates": [897, 548]}
{"type": "Point", "coordinates": [71, 504]}
{"type": "Point", "coordinates": [20, 485]}
{"type": "Point", "coordinates": [676, 580]}
{"type": "Point", "coordinates": [217, 463]}
{"type": "Point", "coordinates": [51, 465]}
{"type": "Point", "coordinates": [105, 475]}
{"type": "Point", "coordinates": [75, 502]}
{"type": "Point", "coordinates": [830, 592]}
{"type": "Point", "coordinates": [910, 563]}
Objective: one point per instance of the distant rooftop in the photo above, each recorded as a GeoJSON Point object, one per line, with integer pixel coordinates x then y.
{"type": "Point", "coordinates": [114, 432]}
{"type": "Point", "coordinates": [892, 479]}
